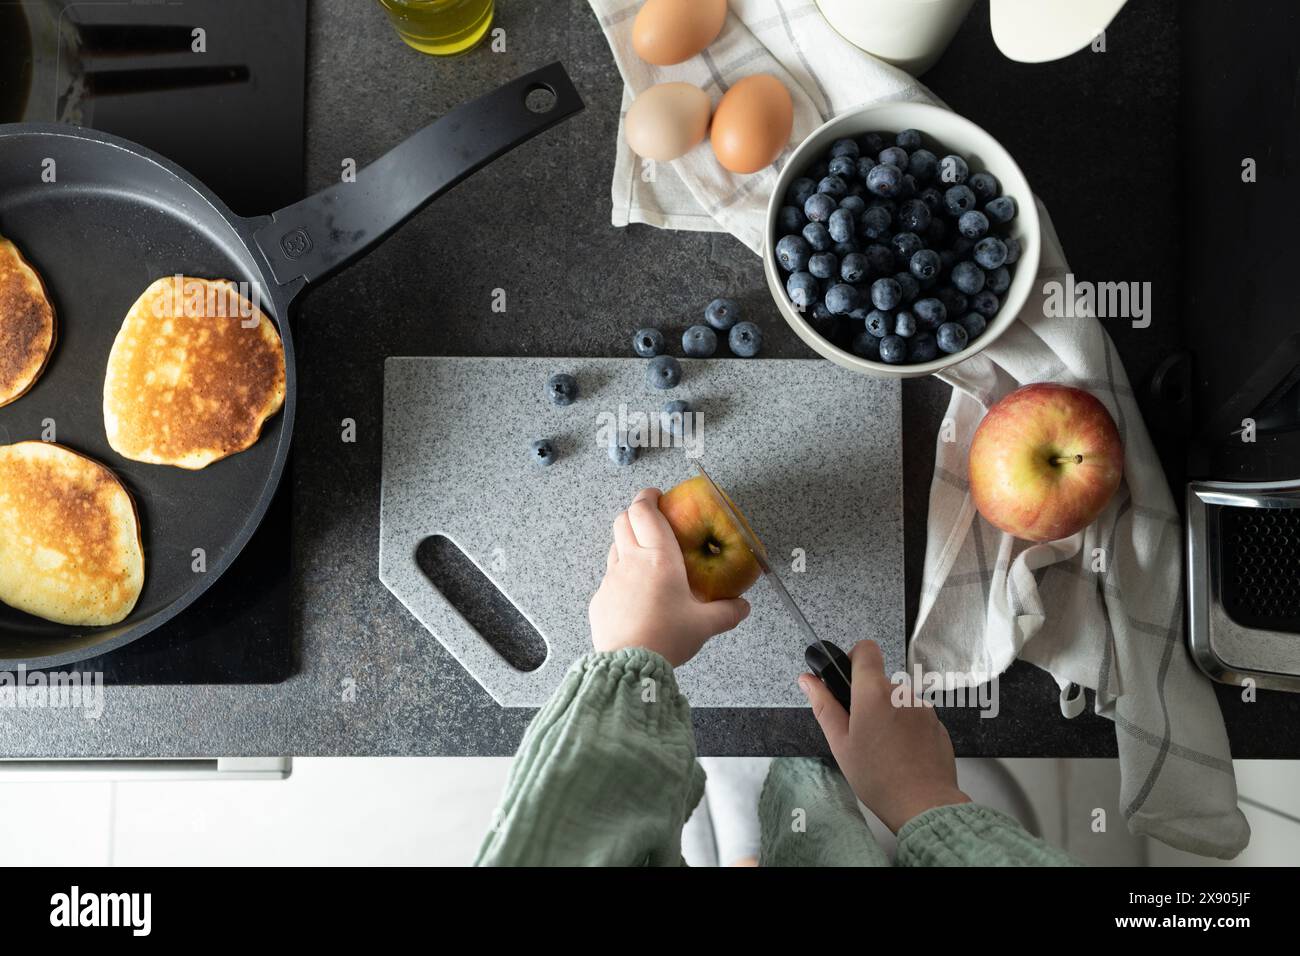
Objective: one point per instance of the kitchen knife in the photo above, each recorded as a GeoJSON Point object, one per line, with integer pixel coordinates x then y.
{"type": "Point", "coordinates": [823, 658]}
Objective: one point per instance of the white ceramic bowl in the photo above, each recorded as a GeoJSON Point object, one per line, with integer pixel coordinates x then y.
{"type": "Point", "coordinates": [945, 132]}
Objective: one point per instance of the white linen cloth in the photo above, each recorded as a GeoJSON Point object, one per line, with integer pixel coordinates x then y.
{"type": "Point", "coordinates": [986, 597]}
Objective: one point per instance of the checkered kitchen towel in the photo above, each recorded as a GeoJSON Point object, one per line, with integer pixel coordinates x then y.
{"type": "Point", "coordinates": [985, 596]}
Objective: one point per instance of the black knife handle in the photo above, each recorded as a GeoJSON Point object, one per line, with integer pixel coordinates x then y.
{"type": "Point", "coordinates": [832, 665]}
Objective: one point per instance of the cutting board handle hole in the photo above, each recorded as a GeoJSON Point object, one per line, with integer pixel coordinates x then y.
{"type": "Point", "coordinates": [480, 603]}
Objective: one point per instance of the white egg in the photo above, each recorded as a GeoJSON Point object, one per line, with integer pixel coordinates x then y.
{"type": "Point", "coordinates": [667, 121]}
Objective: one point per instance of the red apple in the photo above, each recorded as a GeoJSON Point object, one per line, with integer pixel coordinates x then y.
{"type": "Point", "coordinates": [718, 562]}
{"type": "Point", "coordinates": [1045, 461]}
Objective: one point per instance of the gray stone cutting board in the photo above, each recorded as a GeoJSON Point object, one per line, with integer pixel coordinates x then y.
{"type": "Point", "coordinates": [810, 452]}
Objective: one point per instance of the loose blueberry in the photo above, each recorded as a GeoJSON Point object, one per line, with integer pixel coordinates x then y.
{"type": "Point", "coordinates": [1001, 210]}
{"type": "Point", "coordinates": [800, 191]}
{"type": "Point", "coordinates": [648, 343]}
{"type": "Point", "coordinates": [880, 257]}
{"type": "Point", "coordinates": [803, 289]}
{"type": "Point", "coordinates": [990, 252]}
{"type": "Point", "coordinates": [973, 224]}
{"type": "Point", "coordinates": [792, 253]}
{"type": "Point", "coordinates": [562, 388]}
{"type": "Point", "coordinates": [845, 147]}
{"type": "Point", "coordinates": [985, 186]}
{"type": "Point", "coordinates": [986, 303]}
{"type": "Point", "coordinates": [790, 219]}
{"type": "Point", "coordinates": [865, 165]}
{"type": "Point", "coordinates": [624, 450]}
{"type": "Point", "coordinates": [893, 350]}
{"type": "Point", "coordinates": [867, 346]}
{"type": "Point", "coordinates": [871, 143]}
{"type": "Point", "coordinates": [886, 294]}
{"type": "Point", "coordinates": [823, 264]}
{"type": "Point", "coordinates": [894, 156]}
{"type": "Point", "coordinates": [854, 267]}
{"type": "Point", "coordinates": [923, 164]}
{"type": "Point", "coordinates": [819, 206]}
{"type": "Point", "coordinates": [842, 299]}
{"type": "Point", "coordinates": [906, 245]}
{"type": "Point", "coordinates": [953, 301]}
{"type": "Point", "coordinates": [933, 200]}
{"type": "Point", "coordinates": [1013, 250]}
{"type": "Point", "coordinates": [699, 341]}
{"type": "Point", "coordinates": [542, 452]}
{"type": "Point", "coordinates": [910, 187]}
{"type": "Point", "coordinates": [957, 200]}
{"type": "Point", "coordinates": [663, 371]}
{"type": "Point", "coordinates": [833, 186]}
{"type": "Point", "coordinates": [905, 325]}
{"type": "Point", "coordinates": [926, 264]}
{"type": "Point", "coordinates": [911, 288]}
{"type": "Point", "coordinates": [676, 417]}
{"type": "Point", "coordinates": [885, 180]}
{"type": "Point", "coordinates": [818, 237]}
{"type": "Point", "coordinates": [875, 222]}
{"type": "Point", "coordinates": [999, 281]}
{"type": "Point", "coordinates": [930, 313]}
{"type": "Point", "coordinates": [841, 225]}
{"type": "Point", "coordinates": [953, 170]}
{"type": "Point", "coordinates": [974, 324]}
{"type": "Point", "coordinates": [914, 216]}
{"type": "Point", "coordinates": [909, 139]}
{"type": "Point", "coordinates": [951, 337]}
{"type": "Point", "coordinates": [722, 314]}
{"type": "Point", "coordinates": [854, 204]}
{"type": "Point", "coordinates": [968, 277]}
{"type": "Point", "coordinates": [879, 323]}
{"type": "Point", "coordinates": [745, 340]}
{"type": "Point", "coordinates": [922, 348]}
{"type": "Point", "coordinates": [844, 168]}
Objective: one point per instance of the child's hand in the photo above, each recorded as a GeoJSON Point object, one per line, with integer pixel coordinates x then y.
{"type": "Point", "coordinates": [898, 760]}
{"type": "Point", "coordinates": [645, 600]}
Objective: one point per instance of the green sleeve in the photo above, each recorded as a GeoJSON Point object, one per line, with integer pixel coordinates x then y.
{"type": "Point", "coordinates": [606, 774]}
{"type": "Point", "coordinates": [809, 817]}
{"type": "Point", "coordinates": [970, 835]}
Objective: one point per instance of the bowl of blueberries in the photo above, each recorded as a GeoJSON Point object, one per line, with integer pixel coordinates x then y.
{"type": "Point", "coordinates": [901, 239]}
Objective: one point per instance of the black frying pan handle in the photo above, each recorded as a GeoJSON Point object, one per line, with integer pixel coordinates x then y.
{"type": "Point", "coordinates": [322, 233]}
{"type": "Point", "coordinates": [834, 668]}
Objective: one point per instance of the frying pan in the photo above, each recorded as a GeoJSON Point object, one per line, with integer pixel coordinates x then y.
{"type": "Point", "coordinates": [117, 217]}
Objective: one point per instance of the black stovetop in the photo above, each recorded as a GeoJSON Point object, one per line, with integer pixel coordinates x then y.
{"type": "Point", "coordinates": [236, 121]}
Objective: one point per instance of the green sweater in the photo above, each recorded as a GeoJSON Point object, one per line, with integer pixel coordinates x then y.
{"type": "Point", "coordinates": [606, 776]}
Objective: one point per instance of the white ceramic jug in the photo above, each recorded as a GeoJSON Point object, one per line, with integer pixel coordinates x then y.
{"type": "Point", "coordinates": [911, 34]}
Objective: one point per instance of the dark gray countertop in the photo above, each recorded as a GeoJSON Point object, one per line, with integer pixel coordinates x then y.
{"type": "Point", "coordinates": [1096, 134]}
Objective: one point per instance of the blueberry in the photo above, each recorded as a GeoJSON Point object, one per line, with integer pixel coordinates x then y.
{"type": "Point", "coordinates": [986, 303]}
{"type": "Point", "coordinates": [676, 417]}
{"type": "Point", "coordinates": [906, 245]}
{"type": "Point", "coordinates": [909, 188]}
{"type": "Point", "coordinates": [648, 343]}
{"type": "Point", "coordinates": [664, 371]}
{"type": "Point", "coordinates": [854, 267]}
{"type": "Point", "coordinates": [844, 168]}
{"type": "Point", "coordinates": [905, 325]}
{"type": "Point", "coordinates": [542, 452]}
{"type": "Point", "coordinates": [880, 257]}
{"type": "Point", "coordinates": [973, 224]}
{"type": "Point", "coordinates": [951, 337]}
{"type": "Point", "coordinates": [990, 252]}
{"type": "Point", "coordinates": [957, 200]}
{"type": "Point", "coordinates": [818, 169]}
{"type": "Point", "coordinates": [894, 156]}
{"type": "Point", "coordinates": [974, 324]}
{"type": "Point", "coordinates": [833, 186]}
{"type": "Point", "coordinates": [949, 258]}
{"type": "Point", "coordinates": [985, 186]}
{"type": "Point", "coordinates": [999, 281]}
{"type": "Point", "coordinates": [1001, 209]}
{"type": "Point", "coordinates": [562, 388]}
{"type": "Point", "coordinates": [624, 450]}
{"type": "Point", "coordinates": [968, 277]}
{"type": "Point", "coordinates": [914, 216]}
{"type": "Point", "coordinates": [963, 247]}
{"type": "Point", "coordinates": [865, 165]}
{"type": "Point", "coordinates": [819, 206]}
{"type": "Point", "coordinates": [953, 301]}
{"type": "Point", "coordinates": [803, 289]}
{"type": "Point", "coordinates": [923, 164]}
{"type": "Point", "coordinates": [885, 180]}
{"type": "Point", "coordinates": [911, 288]}
{"type": "Point", "coordinates": [841, 225]}
{"type": "Point", "coordinates": [845, 147]}
{"type": "Point", "coordinates": [875, 222]}
{"type": "Point", "coordinates": [953, 170]}
{"type": "Point", "coordinates": [867, 346]}
{"type": "Point", "coordinates": [930, 313]}
{"type": "Point", "coordinates": [818, 237]}
{"type": "Point", "coordinates": [936, 234]}
{"type": "Point", "coordinates": [879, 323]}
{"type": "Point", "coordinates": [893, 349]}
{"type": "Point", "coordinates": [886, 294]}
{"type": "Point", "coordinates": [789, 220]}
{"type": "Point", "coordinates": [842, 299]}
{"type": "Point", "coordinates": [871, 143]}
{"type": "Point", "coordinates": [925, 264]}
{"type": "Point", "coordinates": [922, 348]}
{"type": "Point", "coordinates": [823, 264]}
{"type": "Point", "coordinates": [800, 190]}
{"type": "Point", "coordinates": [842, 249]}
{"type": "Point", "coordinates": [700, 341]}
{"type": "Point", "coordinates": [792, 253]}
{"type": "Point", "coordinates": [746, 339]}
{"type": "Point", "coordinates": [722, 314]}
{"type": "Point", "coordinates": [854, 204]}
{"type": "Point", "coordinates": [1013, 250]}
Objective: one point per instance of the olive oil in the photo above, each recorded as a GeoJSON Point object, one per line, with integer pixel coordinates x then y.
{"type": "Point", "coordinates": [440, 27]}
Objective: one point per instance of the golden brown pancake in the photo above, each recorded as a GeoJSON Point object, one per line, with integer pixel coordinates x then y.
{"type": "Point", "coordinates": [71, 549]}
{"type": "Point", "coordinates": [27, 327]}
{"type": "Point", "coordinates": [195, 372]}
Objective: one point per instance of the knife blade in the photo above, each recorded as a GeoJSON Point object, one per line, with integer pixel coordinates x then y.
{"type": "Point", "coordinates": [823, 658]}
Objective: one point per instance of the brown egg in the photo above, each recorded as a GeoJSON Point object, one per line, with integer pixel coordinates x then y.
{"type": "Point", "coordinates": [671, 31]}
{"type": "Point", "coordinates": [752, 123]}
{"type": "Point", "coordinates": [667, 120]}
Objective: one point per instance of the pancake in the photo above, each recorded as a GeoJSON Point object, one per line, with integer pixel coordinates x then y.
{"type": "Point", "coordinates": [193, 375]}
{"type": "Point", "coordinates": [71, 551]}
{"type": "Point", "coordinates": [27, 327]}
